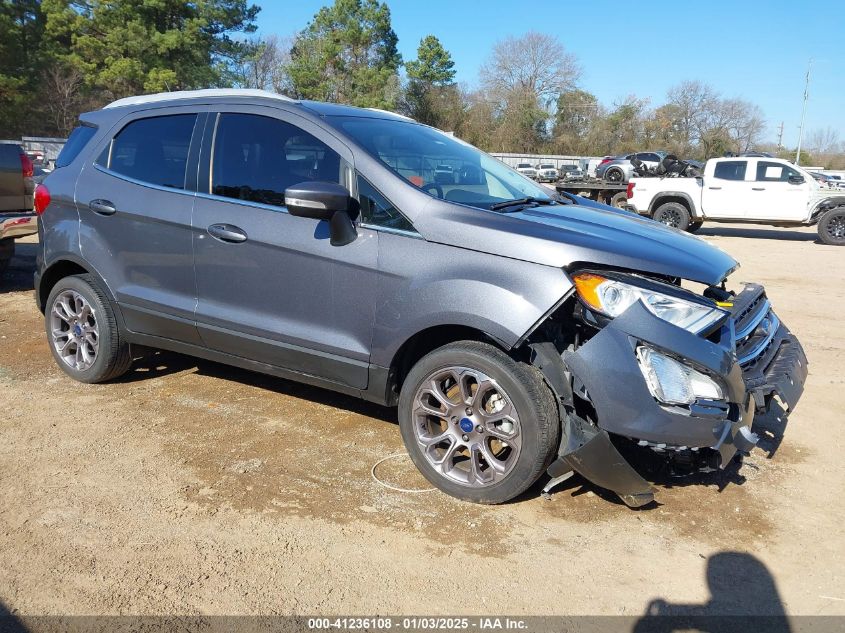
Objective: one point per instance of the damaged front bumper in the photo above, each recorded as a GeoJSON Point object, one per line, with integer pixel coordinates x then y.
{"type": "Point", "coordinates": [753, 357]}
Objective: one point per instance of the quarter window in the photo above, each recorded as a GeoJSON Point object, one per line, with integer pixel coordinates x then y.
{"type": "Point", "coordinates": [153, 150]}
{"type": "Point", "coordinates": [378, 210]}
{"type": "Point", "coordinates": [256, 158]}
{"type": "Point", "coordinates": [731, 170]}
{"type": "Point", "coordinates": [775, 172]}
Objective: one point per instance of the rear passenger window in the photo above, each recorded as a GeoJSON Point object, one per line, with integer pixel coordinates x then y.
{"type": "Point", "coordinates": [731, 170]}
{"type": "Point", "coordinates": [77, 140]}
{"type": "Point", "coordinates": [256, 158]}
{"type": "Point", "coordinates": [153, 150]}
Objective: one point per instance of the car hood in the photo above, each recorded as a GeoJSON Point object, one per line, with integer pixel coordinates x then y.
{"type": "Point", "coordinates": [569, 235]}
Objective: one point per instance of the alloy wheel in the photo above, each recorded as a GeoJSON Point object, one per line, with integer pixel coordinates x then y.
{"type": "Point", "coordinates": [836, 227]}
{"type": "Point", "coordinates": [466, 426]}
{"type": "Point", "coordinates": [74, 330]}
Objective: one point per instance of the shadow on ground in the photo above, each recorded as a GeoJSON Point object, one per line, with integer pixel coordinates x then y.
{"type": "Point", "coordinates": [768, 233]}
{"type": "Point", "coordinates": [18, 276]}
{"type": "Point", "coordinates": [743, 597]}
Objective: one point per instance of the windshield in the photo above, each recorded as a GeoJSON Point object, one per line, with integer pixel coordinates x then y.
{"type": "Point", "coordinates": [439, 164]}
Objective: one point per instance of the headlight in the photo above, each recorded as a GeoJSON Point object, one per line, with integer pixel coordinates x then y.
{"type": "Point", "coordinates": [673, 382]}
{"type": "Point", "coordinates": [612, 297]}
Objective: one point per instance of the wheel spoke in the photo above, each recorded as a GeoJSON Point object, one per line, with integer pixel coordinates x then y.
{"type": "Point", "coordinates": [496, 464]}
{"type": "Point", "coordinates": [445, 462]}
{"type": "Point", "coordinates": [430, 440]}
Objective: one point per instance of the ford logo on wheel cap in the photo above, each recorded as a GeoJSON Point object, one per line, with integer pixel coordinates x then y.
{"type": "Point", "coordinates": [466, 425]}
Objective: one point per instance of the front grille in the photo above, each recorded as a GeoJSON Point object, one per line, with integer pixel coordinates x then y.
{"type": "Point", "coordinates": [755, 327]}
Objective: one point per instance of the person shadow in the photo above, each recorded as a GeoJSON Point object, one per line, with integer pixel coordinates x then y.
{"type": "Point", "coordinates": [9, 623]}
{"type": "Point", "coordinates": [743, 597]}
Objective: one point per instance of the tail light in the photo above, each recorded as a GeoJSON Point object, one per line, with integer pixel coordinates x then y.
{"type": "Point", "coordinates": [42, 199]}
{"type": "Point", "coordinates": [604, 161]}
{"type": "Point", "coordinates": [630, 192]}
{"type": "Point", "coordinates": [27, 168]}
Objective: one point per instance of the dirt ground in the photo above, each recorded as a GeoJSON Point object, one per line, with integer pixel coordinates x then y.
{"type": "Point", "coordinates": [189, 487]}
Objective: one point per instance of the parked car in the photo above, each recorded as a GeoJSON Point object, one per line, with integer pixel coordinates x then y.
{"type": "Point", "coordinates": [527, 169]}
{"type": "Point", "coordinates": [823, 179]}
{"type": "Point", "coordinates": [763, 190]}
{"type": "Point", "coordinates": [571, 172]}
{"type": "Point", "coordinates": [17, 218]}
{"type": "Point", "coordinates": [309, 241]}
{"type": "Point", "coordinates": [620, 169]}
{"type": "Point", "coordinates": [546, 172]}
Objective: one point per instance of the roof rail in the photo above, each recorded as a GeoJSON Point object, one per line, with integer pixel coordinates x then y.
{"type": "Point", "coordinates": [194, 94]}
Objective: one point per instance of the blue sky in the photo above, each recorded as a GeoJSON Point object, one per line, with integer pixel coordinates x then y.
{"type": "Point", "coordinates": [755, 50]}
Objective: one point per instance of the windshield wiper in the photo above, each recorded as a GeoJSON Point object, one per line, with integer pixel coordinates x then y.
{"type": "Point", "coordinates": [520, 202]}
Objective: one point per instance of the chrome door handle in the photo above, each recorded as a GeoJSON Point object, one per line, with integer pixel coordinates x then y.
{"type": "Point", "coordinates": [102, 207]}
{"type": "Point", "coordinates": [227, 233]}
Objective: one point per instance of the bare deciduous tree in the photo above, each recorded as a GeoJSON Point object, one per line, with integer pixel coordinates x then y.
{"type": "Point", "coordinates": [63, 87]}
{"type": "Point", "coordinates": [267, 68]}
{"type": "Point", "coordinates": [535, 63]}
{"type": "Point", "coordinates": [823, 141]}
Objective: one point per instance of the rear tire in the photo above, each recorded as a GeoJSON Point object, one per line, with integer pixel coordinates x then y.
{"type": "Point", "coordinates": [82, 331]}
{"type": "Point", "coordinates": [478, 425]}
{"type": "Point", "coordinates": [619, 200]}
{"type": "Point", "coordinates": [673, 214]}
{"type": "Point", "coordinates": [614, 175]}
{"type": "Point", "coordinates": [832, 227]}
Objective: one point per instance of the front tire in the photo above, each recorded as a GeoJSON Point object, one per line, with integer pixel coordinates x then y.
{"type": "Point", "coordinates": [82, 331]}
{"type": "Point", "coordinates": [832, 227]}
{"type": "Point", "coordinates": [673, 214]}
{"type": "Point", "coordinates": [478, 425]}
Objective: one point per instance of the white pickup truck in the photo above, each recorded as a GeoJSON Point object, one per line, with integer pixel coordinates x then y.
{"type": "Point", "coordinates": [760, 190]}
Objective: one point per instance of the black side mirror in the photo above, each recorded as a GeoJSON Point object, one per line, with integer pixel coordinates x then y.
{"type": "Point", "coordinates": [325, 201]}
{"type": "Point", "coordinates": [796, 180]}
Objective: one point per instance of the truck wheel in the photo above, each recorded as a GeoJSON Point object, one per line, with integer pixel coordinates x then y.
{"type": "Point", "coordinates": [619, 200]}
{"type": "Point", "coordinates": [614, 175]}
{"type": "Point", "coordinates": [673, 214]}
{"type": "Point", "coordinates": [479, 425]}
{"type": "Point", "coordinates": [82, 331]}
{"type": "Point", "coordinates": [832, 227]}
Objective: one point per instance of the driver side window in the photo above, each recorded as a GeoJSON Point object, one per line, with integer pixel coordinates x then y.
{"type": "Point", "coordinates": [378, 210]}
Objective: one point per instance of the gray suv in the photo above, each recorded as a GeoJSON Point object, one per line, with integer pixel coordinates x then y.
{"type": "Point", "coordinates": [519, 334]}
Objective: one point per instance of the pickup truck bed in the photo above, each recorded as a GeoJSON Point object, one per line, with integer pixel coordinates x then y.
{"type": "Point", "coordinates": [17, 217]}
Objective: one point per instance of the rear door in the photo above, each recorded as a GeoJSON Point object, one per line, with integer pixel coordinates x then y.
{"type": "Point", "coordinates": [272, 288]}
{"type": "Point", "coordinates": [779, 192]}
{"type": "Point", "coordinates": [135, 199]}
{"type": "Point", "coordinates": [726, 193]}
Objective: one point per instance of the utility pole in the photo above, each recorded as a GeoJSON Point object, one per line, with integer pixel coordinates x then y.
{"type": "Point", "coordinates": [780, 136]}
{"type": "Point", "coordinates": [803, 113]}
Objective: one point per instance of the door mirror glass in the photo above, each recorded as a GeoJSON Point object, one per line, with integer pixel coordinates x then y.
{"type": "Point", "coordinates": [796, 180]}
{"type": "Point", "coordinates": [325, 201]}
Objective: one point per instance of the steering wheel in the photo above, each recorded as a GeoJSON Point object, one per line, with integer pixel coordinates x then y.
{"type": "Point", "coordinates": [433, 185]}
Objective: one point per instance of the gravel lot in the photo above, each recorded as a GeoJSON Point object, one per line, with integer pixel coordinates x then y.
{"type": "Point", "coordinates": [189, 487]}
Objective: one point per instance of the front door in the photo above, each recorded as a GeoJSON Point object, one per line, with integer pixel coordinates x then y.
{"type": "Point", "coordinates": [271, 288]}
{"type": "Point", "coordinates": [780, 192]}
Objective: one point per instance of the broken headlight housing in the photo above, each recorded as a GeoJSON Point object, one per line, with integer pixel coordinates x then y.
{"type": "Point", "coordinates": [673, 382]}
{"type": "Point", "coordinates": [612, 296]}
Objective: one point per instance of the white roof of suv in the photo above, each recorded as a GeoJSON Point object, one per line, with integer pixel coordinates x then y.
{"type": "Point", "coordinates": [193, 94]}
